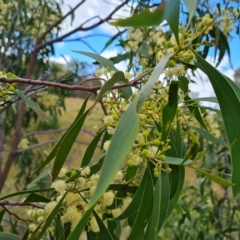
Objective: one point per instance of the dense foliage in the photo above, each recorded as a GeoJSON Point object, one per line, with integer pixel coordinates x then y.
{"type": "Point", "coordinates": [152, 133]}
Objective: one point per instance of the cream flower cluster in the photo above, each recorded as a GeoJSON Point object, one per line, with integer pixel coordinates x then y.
{"type": "Point", "coordinates": [48, 100]}
{"type": "Point", "coordinates": [79, 192]}
{"type": "Point", "coordinates": [227, 20]}
{"type": "Point", "coordinates": [7, 88]}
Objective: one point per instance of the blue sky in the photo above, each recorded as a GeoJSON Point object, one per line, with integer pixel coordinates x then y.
{"type": "Point", "coordinates": [93, 8]}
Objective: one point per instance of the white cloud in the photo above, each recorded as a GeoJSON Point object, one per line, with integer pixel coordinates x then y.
{"type": "Point", "coordinates": [61, 60]}
{"type": "Point", "coordinates": [60, 44]}
{"type": "Point", "coordinates": [110, 53]}
{"type": "Point", "coordinates": [203, 86]}
{"type": "Point", "coordinates": [90, 9]}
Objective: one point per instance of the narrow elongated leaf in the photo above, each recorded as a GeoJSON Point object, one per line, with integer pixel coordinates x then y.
{"type": "Point", "coordinates": [33, 197]}
{"type": "Point", "coordinates": [103, 61]}
{"type": "Point", "coordinates": [55, 149]}
{"type": "Point", "coordinates": [134, 205]}
{"type": "Point", "coordinates": [145, 209]}
{"type": "Point", "coordinates": [145, 18]}
{"type": "Point", "coordinates": [1, 215]}
{"type": "Point", "coordinates": [214, 178]}
{"type": "Point", "coordinates": [229, 103]}
{"type": "Point", "coordinates": [192, 7]}
{"type": "Point", "coordinates": [38, 235]}
{"type": "Point", "coordinates": [90, 149]}
{"type": "Point", "coordinates": [25, 192]}
{"type": "Point", "coordinates": [179, 208]}
{"type": "Point", "coordinates": [46, 174]}
{"type": "Point", "coordinates": [108, 63]}
{"type": "Point", "coordinates": [190, 103]}
{"type": "Point", "coordinates": [170, 110]}
{"type": "Point", "coordinates": [177, 161]}
{"type": "Point", "coordinates": [117, 150]}
{"type": "Point", "coordinates": [171, 14]}
{"type": "Point", "coordinates": [9, 236]}
{"type": "Point", "coordinates": [159, 211]}
{"type": "Point", "coordinates": [176, 176]}
{"type": "Point", "coordinates": [117, 77]}
{"type": "Point", "coordinates": [112, 39]}
{"type": "Point", "coordinates": [205, 99]}
{"type": "Point", "coordinates": [67, 144]}
{"type": "Point", "coordinates": [153, 78]}
{"type": "Point", "coordinates": [114, 157]}
{"type": "Point", "coordinates": [210, 137]}
{"type": "Point", "coordinates": [123, 188]}
{"type": "Point", "coordinates": [35, 107]}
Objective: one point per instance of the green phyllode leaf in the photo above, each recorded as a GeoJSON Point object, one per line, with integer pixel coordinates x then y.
{"type": "Point", "coordinates": [228, 97]}
{"type": "Point", "coordinates": [109, 64]}
{"type": "Point", "coordinates": [127, 129]}
{"type": "Point", "coordinates": [66, 145]}
{"type": "Point", "coordinates": [190, 102]}
{"type": "Point", "coordinates": [145, 209]}
{"type": "Point", "coordinates": [58, 145]}
{"type": "Point", "coordinates": [145, 18]}
{"type": "Point", "coordinates": [35, 107]}
{"type": "Point", "coordinates": [9, 236]}
{"type": "Point", "coordinates": [160, 207]}
{"type": "Point", "coordinates": [171, 14]}
{"type": "Point", "coordinates": [214, 178]}
{"type": "Point", "coordinates": [192, 7]}
{"type": "Point", "coordinates": [170, 110]}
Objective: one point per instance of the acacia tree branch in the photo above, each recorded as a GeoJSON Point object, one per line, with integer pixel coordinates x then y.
{"type": "Point", "coordinates": [64, 86]}
{"type": "Point", "coordinates": [81, 28]}
{"type": "Point", "coordinates": [10, 203]}
{"type": "Point", "coordinates": [43, 35]}
{"type": "Point", "coordinates": [13, 214]}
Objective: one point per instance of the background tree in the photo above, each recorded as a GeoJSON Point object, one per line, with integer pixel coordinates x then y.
{"type": "Point", "coordinates": [31, 45]}
{"type": "Point", "coordinates": [153, 135]}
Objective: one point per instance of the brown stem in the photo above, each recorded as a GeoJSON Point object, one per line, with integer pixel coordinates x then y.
{"type": "Point", "coordinates": [8, 203]}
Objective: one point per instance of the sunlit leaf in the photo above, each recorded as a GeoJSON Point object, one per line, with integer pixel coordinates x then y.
{"type": "Point", "coordinates": [103, 61]}
{"type": "Point", "coordinates": [192, 7]}
{"type": "Point", "coordinates": [117, 151]}
{"type": "Point", "coordinates": [171, 14]}
{"type": "Point", "coordinates": [145, 18]}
